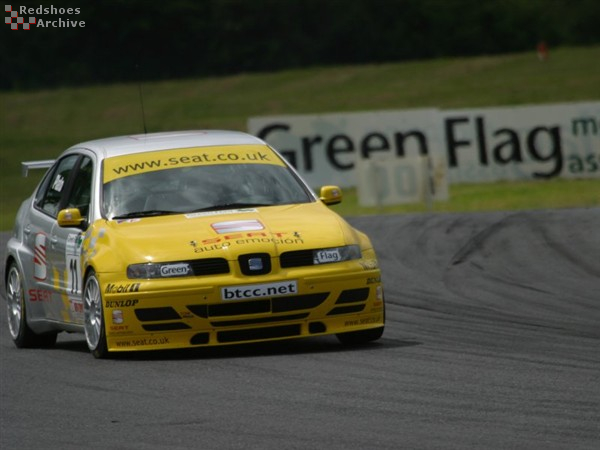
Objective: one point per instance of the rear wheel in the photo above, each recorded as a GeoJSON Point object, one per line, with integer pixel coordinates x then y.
{"type": "Point", "coordinates": [21, 334]}
{"type": "Point", "coordinates": [360, 337]}
{"type": "Point", "coordinates": [95, 334]}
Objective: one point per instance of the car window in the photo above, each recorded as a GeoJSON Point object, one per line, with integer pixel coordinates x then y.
{"type": "Point", "coordinates": [80, 195]}
{"type": "Point", "coordinates": [52, 191]}
{"type": "Point", "coordinates": [187, 189]}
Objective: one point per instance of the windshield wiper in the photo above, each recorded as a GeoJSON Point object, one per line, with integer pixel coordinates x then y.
{"type": "Point", "coordinates": [151, 213]}
{"type": "Point", "coordinates": [230, 206]}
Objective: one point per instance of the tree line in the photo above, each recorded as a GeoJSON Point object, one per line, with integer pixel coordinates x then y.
{"type": "Point", "coordinates": [128, 40]}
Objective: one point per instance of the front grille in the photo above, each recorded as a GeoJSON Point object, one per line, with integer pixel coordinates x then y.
{"type": "Point", "coordinates": [261, 306]}
{"type": "Point", "coordinates": [230, 309]}
{"type": "Point", "coordinates": [232, 323]}
{"type": "Point", "coordinates": [209, 266]}
{"type": "Point", "coordinates": [353, 295]}
{"type": "Point", "coordinates": [359, 295]}
{"type": "Point", "coordinates": [171, 326]}
{"type": "Point", "coordinates": [296, 258]}
{"type": "Point", "coordinates": [236, 309]}
{"type": "Point", "coordinates": [259, 333]}
{"type": "Point", "coordinates": [153, 314]}
{"type": "Point", "coordinates": [346, 310]}
{"type": "Point", "coordinates": [308, 301]}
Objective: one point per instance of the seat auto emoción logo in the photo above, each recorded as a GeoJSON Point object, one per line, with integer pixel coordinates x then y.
{"type": "Point", "coordinates": [14, 17]}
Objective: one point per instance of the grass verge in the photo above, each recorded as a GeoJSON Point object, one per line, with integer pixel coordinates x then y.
{"type": "Point", "coordinates": [41, 124]}
{"type": "Point", "coordinates": [501, 196]}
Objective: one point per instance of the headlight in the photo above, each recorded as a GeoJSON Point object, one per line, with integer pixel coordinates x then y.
{"type": "Point", "coordinates": [336, 254]}
{"type": "Point", "coordinates": [158, 270]}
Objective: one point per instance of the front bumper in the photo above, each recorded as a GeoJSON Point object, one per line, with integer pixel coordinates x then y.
{"type": "Point", "coordinates": [183, 313]}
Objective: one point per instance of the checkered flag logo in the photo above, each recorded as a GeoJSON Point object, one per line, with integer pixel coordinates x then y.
{"type": "Point", "coordinates": [14, 20]}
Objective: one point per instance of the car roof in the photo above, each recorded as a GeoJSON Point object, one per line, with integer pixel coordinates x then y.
{"type": "Point", "coordinates": [139, 143]}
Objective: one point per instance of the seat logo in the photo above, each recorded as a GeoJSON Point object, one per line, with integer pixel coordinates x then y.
{"type": "Point", "coordinates": [255, 264]}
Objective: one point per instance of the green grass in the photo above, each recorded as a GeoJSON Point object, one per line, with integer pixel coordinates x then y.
{"type": "Point", "coordinates": [501, 196]}
{"type": "Point", "coordinates": [39, 125]}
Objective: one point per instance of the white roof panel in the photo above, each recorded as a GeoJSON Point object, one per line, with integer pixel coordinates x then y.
{"type": "Point", "coordinates": [115, 146]}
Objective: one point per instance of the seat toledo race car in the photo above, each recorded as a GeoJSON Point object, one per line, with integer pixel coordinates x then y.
{"type": "Point", "coordinates": [188, 239]}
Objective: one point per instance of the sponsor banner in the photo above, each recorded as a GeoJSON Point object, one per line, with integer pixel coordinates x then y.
{"type": "Point", "coordinates": [527, 142]}
{"type": "Point", "coordinates": [479, 145]}
{"type": "Point", "coordinates": [248, 291]}
{"type": "Point", "coordinates": [112, 288]}
{"type": "Point", "coordinates": [133, 164]}
{"type": "Point", "coordinates": [324, 148]}
{"type": "Point", "coordinates": [175, 270]}
{"type": "Point", "coordinates": [40, 295]}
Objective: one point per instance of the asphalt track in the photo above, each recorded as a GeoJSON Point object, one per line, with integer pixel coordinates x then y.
{"type": "Point", "coordinates": [492, 342]}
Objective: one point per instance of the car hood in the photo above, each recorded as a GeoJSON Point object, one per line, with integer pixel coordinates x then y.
{"type": "Point", "coordinates": [226, 234]}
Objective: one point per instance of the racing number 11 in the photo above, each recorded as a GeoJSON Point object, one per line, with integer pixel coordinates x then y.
{"type": "Point", "coordinates": [73, 252]}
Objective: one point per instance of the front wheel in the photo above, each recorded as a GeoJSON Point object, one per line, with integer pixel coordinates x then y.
{"type": "Point", "coordinates": [21, 334]}
{"type": "Point", "coordinates": [95, 333]}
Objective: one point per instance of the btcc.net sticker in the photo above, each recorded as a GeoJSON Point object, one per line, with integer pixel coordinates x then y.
{"type": "Point", "coordinates": [259, 290]}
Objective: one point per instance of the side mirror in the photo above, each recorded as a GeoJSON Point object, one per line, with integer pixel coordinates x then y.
{"type": "Point", "coordinates": [330, 195]}
{"type": "Point", "coordinates": [70, 217]}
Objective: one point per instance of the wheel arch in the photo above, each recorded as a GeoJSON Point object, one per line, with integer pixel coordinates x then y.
{"type": "Point", "coordinates": [10, 259]}
{"type": "Point", "coordinates": [89, 268]}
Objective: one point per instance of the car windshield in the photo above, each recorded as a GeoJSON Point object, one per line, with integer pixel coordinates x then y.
{"type": "Point", "coordinates": [201, 188]}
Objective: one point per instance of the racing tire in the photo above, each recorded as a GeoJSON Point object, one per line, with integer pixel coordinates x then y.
{"type": "Point", "coordinates": [93, 317]}
{"type": "Point", "coordinates": [21, 334]}
{"type": "Point", "coordinates": [360, 337]}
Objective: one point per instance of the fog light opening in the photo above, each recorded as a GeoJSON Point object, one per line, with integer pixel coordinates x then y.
{"type": "Point", "coordinates": [316, 327]}
{"type": "Point", "coordinates": [200, 339]}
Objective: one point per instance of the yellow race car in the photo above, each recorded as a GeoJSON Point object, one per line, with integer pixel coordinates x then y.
{"type": "Point", "coordinates": [185, 239]}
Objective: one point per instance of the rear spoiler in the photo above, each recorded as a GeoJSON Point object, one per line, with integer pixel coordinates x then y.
{"type": "Point", "coordinates": [29, 165]}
